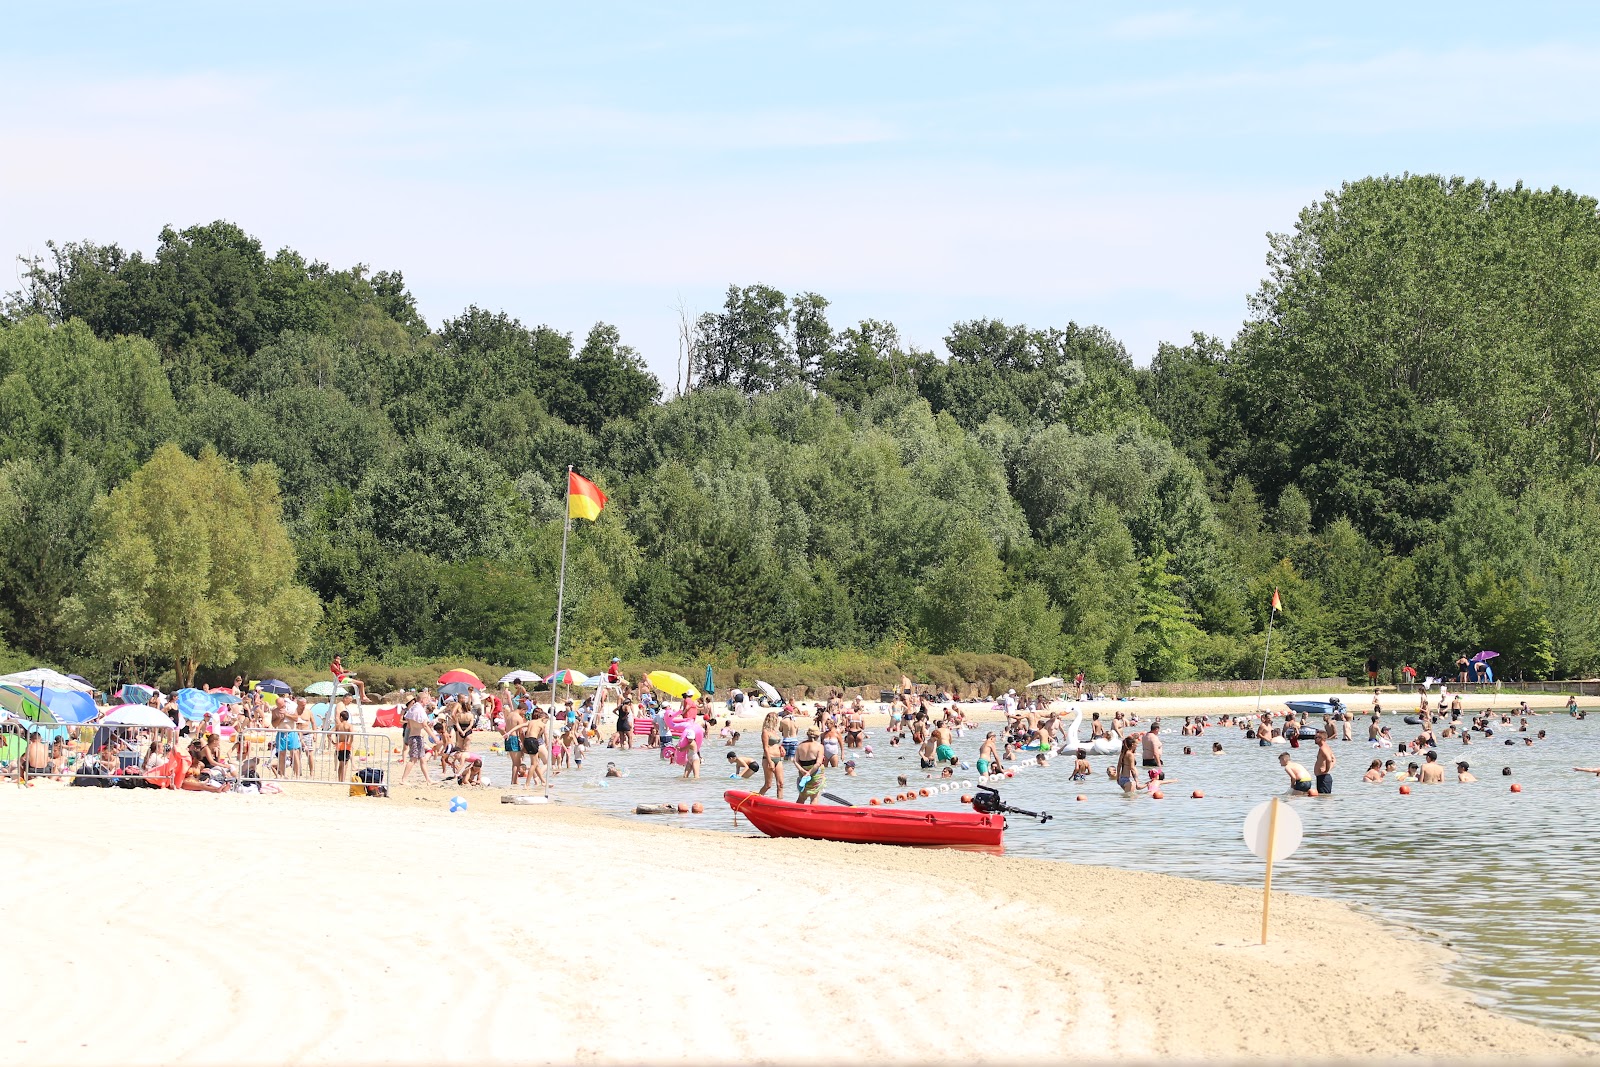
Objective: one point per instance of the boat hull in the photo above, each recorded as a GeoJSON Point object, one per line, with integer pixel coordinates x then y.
{"type": "Point", "coordinates": [871, 826]}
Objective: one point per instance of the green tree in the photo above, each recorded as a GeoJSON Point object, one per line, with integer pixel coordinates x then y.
{"type": "Point", "coordinates": [46, 530]}
{"type": "Point", "coordinates": [192, 563]}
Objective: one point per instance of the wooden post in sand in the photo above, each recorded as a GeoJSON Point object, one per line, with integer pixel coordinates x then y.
{"type": "Point", "coordinates": [1272, 830]}
{"type": "Point", "coordinates": [1266, 890]}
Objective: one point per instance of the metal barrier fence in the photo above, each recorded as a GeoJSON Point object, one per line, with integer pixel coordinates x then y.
{"type": "Point", "coordinates": [311, 757]}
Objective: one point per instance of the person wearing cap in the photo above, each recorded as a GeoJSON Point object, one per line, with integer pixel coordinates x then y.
{"type": "Point", "coordinates": [809, 758]}
{"type": "Point", "coordinates": [1431, 773]}
{"type": "Point", "coordinates": [1463, 774]}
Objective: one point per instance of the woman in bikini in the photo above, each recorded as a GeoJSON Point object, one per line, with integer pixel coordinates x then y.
{"type": "Point", "coordinates": [1127, 766]}
{"type": "Point", "coordinates": [771, 755]}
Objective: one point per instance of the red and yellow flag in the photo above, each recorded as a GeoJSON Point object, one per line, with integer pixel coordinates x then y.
{"type": "Point", "coordinates": [584, 498]}
{"type": "Point", "coordinates": [1277, 605]}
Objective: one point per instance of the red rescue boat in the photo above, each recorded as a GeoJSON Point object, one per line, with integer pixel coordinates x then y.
{"type": "Point", "coordinates": [872, 826]}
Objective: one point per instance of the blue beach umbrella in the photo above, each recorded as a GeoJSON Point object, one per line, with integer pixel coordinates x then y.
{"type": "Point", "coordinates": [196, 704]}
{"type": "Point", "coordinates": [272, 685]}
{"type": "Point", "coordinates": [135, 694]}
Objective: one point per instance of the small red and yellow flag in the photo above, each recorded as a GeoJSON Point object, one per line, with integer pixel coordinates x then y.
{"type": "Point", "coordinates": [1277, 605]}
{"type": "Point", "coordinates": [584, 498]}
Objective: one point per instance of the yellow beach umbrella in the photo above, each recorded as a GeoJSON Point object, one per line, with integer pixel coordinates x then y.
{"type": "Point", "coordinates": [674, 685]}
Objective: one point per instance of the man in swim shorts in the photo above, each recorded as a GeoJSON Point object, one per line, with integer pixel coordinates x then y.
{"type": "Point", "coordinates": [1299, 780]}
{"type": "Point", "coordinates": [942, 751]}
{"type": "Point", "coordinates": [1324, 764]}
{"type": "Point", "coordinates": [1150, 748]}
{"type": "Point", "coordinates": [988, 758]}
{"type": "Point", "coordinates": [288, 744]}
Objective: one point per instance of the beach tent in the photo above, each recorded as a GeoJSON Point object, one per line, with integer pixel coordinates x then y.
{"type": "Point", "coordinates": [388, 717]}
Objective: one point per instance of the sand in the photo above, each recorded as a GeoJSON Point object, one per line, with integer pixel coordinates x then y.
{"type": "Point", "coordinates": [157, 928]}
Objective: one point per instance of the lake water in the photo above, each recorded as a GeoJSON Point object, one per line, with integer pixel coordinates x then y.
{"type": "Point", "coordinates": [1500, 876]}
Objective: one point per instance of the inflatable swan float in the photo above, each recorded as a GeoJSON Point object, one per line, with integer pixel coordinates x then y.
{"type": "Point", "coordinates": [1100, 746]}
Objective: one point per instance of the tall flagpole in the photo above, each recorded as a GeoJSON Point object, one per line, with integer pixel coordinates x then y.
{"type": "Point", "coordinates": [561, 590]}
{"type": "Point", "coordinates": [1265, 652]}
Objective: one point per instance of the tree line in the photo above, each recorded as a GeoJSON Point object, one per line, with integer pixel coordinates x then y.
{"type": "Point", "coordinates": [216, 457]}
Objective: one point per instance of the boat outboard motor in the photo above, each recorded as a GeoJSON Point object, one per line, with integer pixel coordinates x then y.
{"type": "Point", "coordinates": [987, 802]}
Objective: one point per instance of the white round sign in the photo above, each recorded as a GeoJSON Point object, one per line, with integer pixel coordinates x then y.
{"type": "Point", "coordinates": [1286, 834]}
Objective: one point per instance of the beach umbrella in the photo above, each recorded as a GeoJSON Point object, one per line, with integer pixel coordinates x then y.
{"type": "Point", "coordinates": [567, 676]}
{"type": "Point", "coordinates": [80, 679]}
{"type": "Point", "coordinates": [454, 689]}
{"type": "Point", "coordinates": [135, 694]}
{"type": "Point", "coordinates": [45, 678]}
{"type": "Point", "coordinates": [674, 685]}
{"type": "Point", "coordinates": [326, 689]}
{"type": "Point", "coordinates": [711, 682]}
{"type": "Point", "coordinates": [224, 697]}
{"type": "Point", "coordinates": [520, 676]}
{"type": "Point", "coordinates": [272, 685]}
{"type": "Point", "coordinates": [137, 715]}
{"type": "Point", "coordinates": [48, 706]}
{"type": "Point", "coordinates": [24, 704]}
{"type": "Point", "coordinates": [196, 704]}
{"type": "Point", "coordinates": [1481, 657]}
{"type": "Point", "coordinates": [461, 675]}
{"type": "Point", "coordinates": [1051, 679]}
{"type": "Point", "coordinates": [771, 691]}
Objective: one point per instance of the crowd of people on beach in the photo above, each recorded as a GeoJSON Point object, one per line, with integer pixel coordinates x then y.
{"type": "Point", "coordinates": [259, 737]}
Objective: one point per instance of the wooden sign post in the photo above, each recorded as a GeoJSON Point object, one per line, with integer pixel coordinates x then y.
{"type": "Point", "coordinates": [1273, 831]}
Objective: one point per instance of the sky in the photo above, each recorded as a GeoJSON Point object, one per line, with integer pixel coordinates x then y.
{"type": "Point", "coordinates": [924, 164]}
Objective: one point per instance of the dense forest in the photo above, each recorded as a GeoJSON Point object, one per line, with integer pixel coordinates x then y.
{"type": "Point", "coordinates": [215, 456]}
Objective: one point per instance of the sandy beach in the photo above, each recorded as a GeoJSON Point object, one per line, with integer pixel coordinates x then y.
{"type": "Point", "coordinates": [317, 928]}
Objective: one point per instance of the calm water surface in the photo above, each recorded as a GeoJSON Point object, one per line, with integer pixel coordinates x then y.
{"type": "Point", "coordinates": [1502, 877]}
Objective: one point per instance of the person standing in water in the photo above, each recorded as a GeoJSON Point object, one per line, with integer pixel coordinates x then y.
{"type": "Point", "coordinates": [1299, 780]}
{"type": "Point", "coordinates": [1127, 773]}
{"type": "Point", "coordinates": [1323, 767]}
{"type": "Point", "coordinates": [988, 758]}
{"type": "Point", "coordinates": [809, 761]}
{"type": "Point", "coordinates": [1151, 747]}
{"type": "Point", "coordinates": [772, 755]}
